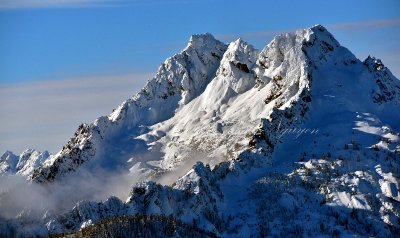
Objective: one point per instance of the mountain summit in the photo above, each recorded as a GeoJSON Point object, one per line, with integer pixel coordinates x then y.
{"type": "Point", "coordinates": [298, 139]}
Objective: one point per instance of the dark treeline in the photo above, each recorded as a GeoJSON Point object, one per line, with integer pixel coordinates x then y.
{"type": "Point", "coordinates": [138, 226]}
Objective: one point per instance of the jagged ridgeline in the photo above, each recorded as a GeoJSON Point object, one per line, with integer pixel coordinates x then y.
{"type": "Point", "coordinates": [300, 138]}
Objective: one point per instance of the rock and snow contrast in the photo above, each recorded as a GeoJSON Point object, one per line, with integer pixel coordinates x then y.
{"type": "Point", "coordinates": [298, 139]}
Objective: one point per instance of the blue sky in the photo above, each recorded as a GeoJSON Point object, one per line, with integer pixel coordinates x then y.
{"type": "Point", "coordinates": [48, 45]}
{"type": "Point", "coordinates": [45, 40]}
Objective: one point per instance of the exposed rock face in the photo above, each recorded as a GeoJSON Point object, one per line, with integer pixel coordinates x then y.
{"type": "Point", "coordinates": [387, 86]}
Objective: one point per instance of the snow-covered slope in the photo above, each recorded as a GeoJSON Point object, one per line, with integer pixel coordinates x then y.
{"type": "Point", "coordinates": [298, 139]}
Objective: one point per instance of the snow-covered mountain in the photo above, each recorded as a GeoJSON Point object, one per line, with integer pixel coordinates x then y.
{"type": "Point", "coordinates": [24, 164]}
{"type": "Point", "coordinates": [298, 139]}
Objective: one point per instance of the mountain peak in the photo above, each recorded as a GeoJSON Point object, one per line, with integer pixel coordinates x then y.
{"type": "Point", "coordinates": [386, 85]}
{"type": "Point", "coordinates": [319, 28]}
{"type": "Point", "coordinates": [199, 40]}
{"type": "Point", "coordinates": [24, 164]}
{"type": "Point", "coordinates": [324, 35]}
{"type": "Point", "coordinates": [236, 66]}
{"type": "Point", "coordinates": [242, 51]}
{"type": "Point", "coordinates": [374, 64]}
{"type": "Point", "coordinates": [8, 162]}
{"type": "Point", "coordinates": [7, 153]}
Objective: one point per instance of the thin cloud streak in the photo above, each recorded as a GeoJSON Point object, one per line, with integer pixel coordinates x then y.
{"type": "Point", "coordinates": [43, 115]}
{"type": "Point", "coordinates": [362, 25]}
{"type": "Point", "coordinates": [365, 24]}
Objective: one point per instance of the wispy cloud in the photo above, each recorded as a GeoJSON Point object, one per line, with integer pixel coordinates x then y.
{"type": "Point", "coordinates": [378, 37]}
{"type": "Point", "coordinates": [44, 114]}
{"type": "Point", "coordinates": [361, 25]}
{"type": "Point", "coordinates": [365, 24]}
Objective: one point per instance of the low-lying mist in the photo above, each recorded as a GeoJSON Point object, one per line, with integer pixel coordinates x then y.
{"type": "Point", "coordinates": [18, 195]}
{"type": "Point", "coordinates": [97, 184]}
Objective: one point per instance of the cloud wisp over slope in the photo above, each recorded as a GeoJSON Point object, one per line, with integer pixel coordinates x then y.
{"type": "Point", "coordinates": [44, 114]}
